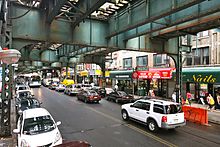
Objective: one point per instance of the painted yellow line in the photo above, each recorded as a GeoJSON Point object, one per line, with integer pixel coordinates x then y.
{"type": "Point", "coordinates": [136, 129]}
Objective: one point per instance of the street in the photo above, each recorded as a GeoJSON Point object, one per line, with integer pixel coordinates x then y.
{"type": "Point", "coordinates": [101, 125]}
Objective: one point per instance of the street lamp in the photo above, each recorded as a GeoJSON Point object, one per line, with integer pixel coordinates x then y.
{"type": "Point", "coordinates": [9, 56]}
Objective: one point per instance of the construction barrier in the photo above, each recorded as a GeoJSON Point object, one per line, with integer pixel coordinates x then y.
{"type": "Point", "coordinates": [197, 115]}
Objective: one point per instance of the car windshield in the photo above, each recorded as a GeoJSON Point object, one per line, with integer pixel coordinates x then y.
{"type": "Point", "coordinates": [22, 88]}
{"type": "Point", "coordinates": [24, 94]}
{"type": "Point", "coordinates": [172, 109]}
{"type": "Point", "coordinates": [92, 92]}
{"type": "Point", "coordinates": [37, 125]}
{"type": "Point", "coordinates": [122, 93]}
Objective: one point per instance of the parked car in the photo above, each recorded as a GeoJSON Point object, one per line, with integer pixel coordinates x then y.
{"type": "Point", "coordinates": [100, 91]}
{"type": "Point", "coordinates": [120, 97]}
{"type": "Point", "coordinates": [108, 91]}
{"type": "Point", "coordinates": [22, 87]}
{"type": "Point", "coordinates": [36, 127]}
{"type": "Point", "coordinates": [23, 94]}
{"type": "Point", "coordinates": [73, 89]}
{"type": "Point", "coordinates": [155, 113]}
{"type": "Point", "coordinates": [86, 86]}
{"type": "Point", "coordinates": [60, 87]}
{"type": "Point", "coordinates": [26, 103]}
{"type": "Point", "coordinates": [53, 85]}
{"type": "Point", "coordinates": [89, 96]}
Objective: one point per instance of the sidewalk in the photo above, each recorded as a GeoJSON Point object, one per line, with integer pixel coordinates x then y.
{"type": "Point", "coordinates": [213, 115]}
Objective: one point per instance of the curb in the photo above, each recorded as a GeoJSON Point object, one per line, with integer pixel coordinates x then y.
{"type": "Point", "coordinates": [214, 122]}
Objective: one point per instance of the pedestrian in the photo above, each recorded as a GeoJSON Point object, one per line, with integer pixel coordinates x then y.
{"type": "Point", "coordinates": [174, 96]}
{"type": "Point", "coordinates": [218, 102]}
{"type": "Point", "coordinates": [189, 97]}
{"type": "Point", "coordinates": [116, 87]}
{"type": "Point", "coordinates": [211, 102]}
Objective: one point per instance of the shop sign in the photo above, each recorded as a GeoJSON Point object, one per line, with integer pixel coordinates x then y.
{"type": "Point", "coordinates": [204, 79]}
{"type": "Point", "coordinates": [84, 73]}
{"type": "Point", "coordinates": [154, 74]}
{"type": "Point", "coordinates": [141, 68]}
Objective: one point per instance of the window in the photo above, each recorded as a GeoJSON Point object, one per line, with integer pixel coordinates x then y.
{"type": "Point", "coordinates": [158, 109]}
{"type": "Point", "coordinates": [142, 61]}
{"type": "Point", "coordinates": [199, 57]}
{"type": "Point", "coordinates": [146, 106]}
{"type": "Point", "coordinates": [160, 59]}
{"type": "Point", "coordinates": [138, 104]}
{"type": "Point", "coordinates": [127, 63]}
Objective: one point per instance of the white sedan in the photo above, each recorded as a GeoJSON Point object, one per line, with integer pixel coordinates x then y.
{"type": "Point", "coordinates": [36, 127]}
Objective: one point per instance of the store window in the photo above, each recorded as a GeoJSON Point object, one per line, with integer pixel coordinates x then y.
{"type": "Point", "coordinates": [127, 63]}
{"type": "Point", "coordinates": [142, 60]}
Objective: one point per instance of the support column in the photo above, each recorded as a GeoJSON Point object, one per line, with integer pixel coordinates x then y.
{"type": "Point", "coordinates": [75, 73]}
{"type": "Point", "coordinates": [103, 75]}
{"type": "Point", "coordinates": [66, 72]}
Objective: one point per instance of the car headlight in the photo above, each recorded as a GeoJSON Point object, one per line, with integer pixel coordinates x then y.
{"type": "Point", "coordinates": [57, 138]}
{"type": "Point", "coordinates": [24, 144]}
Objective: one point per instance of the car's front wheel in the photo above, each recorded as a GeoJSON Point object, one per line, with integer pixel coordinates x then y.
{"type": "Point", "coordinates": [152, 125]}
{"type": "Point", "coordinates": [124, 114]}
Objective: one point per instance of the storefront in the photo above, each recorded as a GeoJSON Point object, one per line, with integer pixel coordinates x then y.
{"type": "Point", "coordinates": [201, 81]}
{"type": "Point", "coordinates": [155, 79]}
{"type": "Point", "coordinates": [123, 78]}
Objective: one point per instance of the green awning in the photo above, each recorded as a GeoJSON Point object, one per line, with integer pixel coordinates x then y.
{"type": "Point", "coordinates": [200, 74]}
{"type": "Point", "coordinates": [121, 74]}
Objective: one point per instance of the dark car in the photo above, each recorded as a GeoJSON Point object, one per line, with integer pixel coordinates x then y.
{"type": "Point", "coordinates": [89, 96]}
{"type": "Point", "coordinates": [26, 103]}
{"type": "Point", "coordinates": [120, 97]}
{"type": "Point", "coordinates": [100, 91]}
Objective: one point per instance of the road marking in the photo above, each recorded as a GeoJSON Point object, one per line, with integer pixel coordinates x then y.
{"type": "Point", "coordinates": [135, 129]}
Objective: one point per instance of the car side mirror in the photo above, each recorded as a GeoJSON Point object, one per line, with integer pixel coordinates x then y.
{"type": "Point", "coordinates": [16, 131]}
{"type": "Point", "coordinates": [58, 123]}
{"type": "Point", "coordinates": [131, 105]}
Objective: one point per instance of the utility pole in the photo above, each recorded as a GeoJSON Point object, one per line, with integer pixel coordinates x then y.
{"type": "Point", "coordinates": [7, 75]}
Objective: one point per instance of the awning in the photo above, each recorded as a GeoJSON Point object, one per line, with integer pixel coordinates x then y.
{"type": "Point", "coordinates": [153, 73]}
{"type": "Point", "coordinates": [201, 74]}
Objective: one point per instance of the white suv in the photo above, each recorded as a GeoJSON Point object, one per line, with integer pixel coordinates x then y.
{"type": "Point", "coordinates": [155, 113]}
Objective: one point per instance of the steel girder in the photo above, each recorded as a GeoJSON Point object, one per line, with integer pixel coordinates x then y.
{"type": "Point", "coordinates": [169, 16]}
{"type": "Point", "coordinates": [88, 7]}
{"type": "Point", "coordinates": [55, 10]}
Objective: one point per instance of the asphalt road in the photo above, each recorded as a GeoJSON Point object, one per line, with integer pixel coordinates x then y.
{"type": "Point", "coordinates": [101, 125]}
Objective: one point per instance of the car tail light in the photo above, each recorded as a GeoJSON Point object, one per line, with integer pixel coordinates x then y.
{"type": "Point", "coordinates": [164, 119]}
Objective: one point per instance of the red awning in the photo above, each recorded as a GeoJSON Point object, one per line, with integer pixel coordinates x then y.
{"type": "Point", "coordinates": [153, 73]}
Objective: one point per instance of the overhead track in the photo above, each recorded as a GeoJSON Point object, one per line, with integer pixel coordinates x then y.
{"type": "Point", "coordinates": [154, 18]}
{"type": "Point", "coordinates": [91, 7]}
{"type": "Point", "coordinates": [56, 10]}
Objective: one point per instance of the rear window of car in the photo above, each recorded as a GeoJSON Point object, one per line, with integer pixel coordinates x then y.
{"type": "Point", "coordinates": [172, 109]}
{"type": "Point", "coordinates": [158, 109]}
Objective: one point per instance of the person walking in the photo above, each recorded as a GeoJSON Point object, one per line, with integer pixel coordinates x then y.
{"type": "Point", "coordinates": [174, 96]}
{"type": "Point", "coordinates": [189, 97]}
{"type": "Point", "coordinates": [211, 102]}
